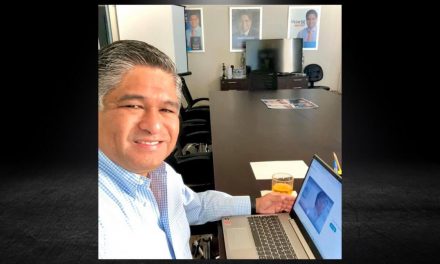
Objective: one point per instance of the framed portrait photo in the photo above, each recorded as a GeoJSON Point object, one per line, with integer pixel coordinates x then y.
{"type": "Point", "coordinates": [244, 23]}
{"type": "Point", "coordinates": [195, 41]}
{"type": "Point", "coordinates": [304, 23]}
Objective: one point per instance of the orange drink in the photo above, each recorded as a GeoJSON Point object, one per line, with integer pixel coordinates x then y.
{"type": "Point", "coordinates": [282, 183]}
{"type": "Point", "coordinates": [282, 188]}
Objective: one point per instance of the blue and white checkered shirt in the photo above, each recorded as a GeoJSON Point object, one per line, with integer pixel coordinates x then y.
{"type": "Point", "coordinates": [149, 218]}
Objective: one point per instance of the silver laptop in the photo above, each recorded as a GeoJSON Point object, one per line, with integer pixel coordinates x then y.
{"type": "Point", "coordinates": [312, 230]}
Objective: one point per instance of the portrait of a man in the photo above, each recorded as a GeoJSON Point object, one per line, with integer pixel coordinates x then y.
{"type": "Point", "coordinates": [316, 204]}
{"type": "Point", "coordinates": [304, 23]}
{"type": "Point", "coordinates": [194, 30]}
{"type": "Point", "coordinates": [245, 23]}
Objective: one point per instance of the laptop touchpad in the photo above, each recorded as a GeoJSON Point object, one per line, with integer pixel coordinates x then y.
{"type": "Point", "coordinates": [240, 238]}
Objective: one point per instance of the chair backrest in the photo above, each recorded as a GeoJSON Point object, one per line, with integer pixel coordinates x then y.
{"type": "Point", "coordinates": [262, 80]}
{"type": "Point", "coordinates": [192, 158]}
{"type": "Point", "coordinates": [314, 73]}
{"type": "Point", "coordinates": [186, 93]}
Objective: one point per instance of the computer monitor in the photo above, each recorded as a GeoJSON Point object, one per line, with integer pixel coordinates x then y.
{"type": "Point", "coordinates": [280, 56]}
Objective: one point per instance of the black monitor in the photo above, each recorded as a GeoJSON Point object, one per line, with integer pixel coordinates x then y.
{"type": "Point", "coordinates": [281, 56]}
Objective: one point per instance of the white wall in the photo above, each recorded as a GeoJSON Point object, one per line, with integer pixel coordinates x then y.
{"type": "Point", "coordinates": [206, 67]}
{"type": "Point", "coordinates": [162, 26]}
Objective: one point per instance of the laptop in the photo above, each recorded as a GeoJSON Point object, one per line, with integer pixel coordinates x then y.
{"type": "Point", "coordinates": [312, 229]}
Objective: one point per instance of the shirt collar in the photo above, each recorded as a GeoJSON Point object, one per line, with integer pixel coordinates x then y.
{"type": "Point", "coordinates": [126, 180]}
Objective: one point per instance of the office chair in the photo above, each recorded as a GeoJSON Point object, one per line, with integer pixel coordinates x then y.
{"type": "Point", "coordinates": [191, 111]}
{"type": "Point", "coordinates": [262, 80]}
{"type": "Point", "coordinates": [196, 114]}
{"type": "Point", "coordinates": [192, 157]}
{"type": "Point", "coordinates": [315, 74]}
{"type": "Point", "coordinates": [186, 93]}
{"type": "Point", "coordinates": [194, 132]}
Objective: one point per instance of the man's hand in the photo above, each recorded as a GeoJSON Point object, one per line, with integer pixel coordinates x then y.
{"type": "Point", "coordinates": [274, 203]}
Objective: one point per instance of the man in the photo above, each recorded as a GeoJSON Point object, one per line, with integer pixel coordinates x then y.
{"type": "Point", "coordinates": [309, 33]}
{"type": "Point", "coordinates": [245, 26]}
{"type": "Point", "coordinates": [144, 208]}
{"type": "Point", "coordinates": [194, 33]}
{"type": "Point", "coordinates": [245, 31]}
{"type": "Point", "coordinates": [318, 214]}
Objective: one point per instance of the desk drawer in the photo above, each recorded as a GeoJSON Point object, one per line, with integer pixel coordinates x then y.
{"type": "Point", "coordinates": [292, 82]}
{"type": "Point", "coordinates": [234, 84]}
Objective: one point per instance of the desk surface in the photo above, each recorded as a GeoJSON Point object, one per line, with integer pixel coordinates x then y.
{"type": "Point", "coordinates": [245, 130]}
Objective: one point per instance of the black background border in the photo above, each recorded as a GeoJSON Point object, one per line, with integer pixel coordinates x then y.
{"type": "Point", "coordinates": [390, 134]}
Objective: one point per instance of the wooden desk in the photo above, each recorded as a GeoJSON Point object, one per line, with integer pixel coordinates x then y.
{"type": "Point", "coordinates": [244, 130]}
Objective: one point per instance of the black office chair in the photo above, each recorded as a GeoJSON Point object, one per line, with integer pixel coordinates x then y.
{"type": "Point", "coordinates": [192, 157]}
{"type": "Point", "coordinates": [262, 80]}
{"type": "Point", "coordinates": [186, 93]}
{"type": "Point", "coordinates": [192, 111]}
{"type": "Point", "coordinates": [196, 114]}
{"type": "Point", "coordinates": [315, 74]}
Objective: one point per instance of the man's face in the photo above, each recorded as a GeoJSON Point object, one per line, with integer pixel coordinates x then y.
{"type": "Point", "coordinates": [139, 124]}
{"type": "Point", "coordinates": [311, 20]}
{"type": "Point", "coordinates": [320, 205]}
{"type": "Point", "coordinates": [194, 21]}
{"type": "Point", "coordinates": [245, 23]}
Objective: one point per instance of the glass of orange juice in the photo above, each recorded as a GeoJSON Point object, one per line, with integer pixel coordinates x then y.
{"type": "Point", "coordinates": [282, 182]}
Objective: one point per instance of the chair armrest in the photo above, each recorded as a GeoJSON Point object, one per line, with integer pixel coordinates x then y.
{"type": "Point", "coordinates": [196, 113]}
{"type": "Point", "coordinates": [195, 101]}
{"type": "Point", "coordinates": [195, 137]}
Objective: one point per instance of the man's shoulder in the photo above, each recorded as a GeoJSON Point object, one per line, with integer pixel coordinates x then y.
{"type": "Point", "coordinates": [105, 183]}
{"type": "Point", "coordinates": [171, 172]}
{"type": "Point", "coordinates": [254, 32]}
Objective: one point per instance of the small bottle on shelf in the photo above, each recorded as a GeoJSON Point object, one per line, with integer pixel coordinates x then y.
{"type": "Point", "coordinates": [230, 72]}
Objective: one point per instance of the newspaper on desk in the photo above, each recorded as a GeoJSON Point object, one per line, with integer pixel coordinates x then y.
{"type": "Point", "coordinates": [300, 103]}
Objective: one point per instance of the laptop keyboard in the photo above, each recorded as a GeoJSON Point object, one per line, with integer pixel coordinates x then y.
{"type": "Point", "coordinates": [270, 238]}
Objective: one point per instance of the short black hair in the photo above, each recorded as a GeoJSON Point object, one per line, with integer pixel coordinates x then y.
{"type": "Point", "coordinates": [311, 12]}
{"type": "Point", "coordinates": [192, 12]}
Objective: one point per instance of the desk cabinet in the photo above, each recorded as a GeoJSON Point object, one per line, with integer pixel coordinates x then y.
{"type": "Point", "coordinates": [234, 84]}
{"type": "Point", "coordinates": [283, 82]}
{"type": "Point", "coordinates": [292, 82]}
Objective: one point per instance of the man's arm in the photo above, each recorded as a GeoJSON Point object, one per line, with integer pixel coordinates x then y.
{"type": "Point", "coordinates": [213, 205]}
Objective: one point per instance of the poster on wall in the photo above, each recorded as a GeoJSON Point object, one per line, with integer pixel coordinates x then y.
{"type": "Point", "coordinates": [244, 23]}
{"type": "Point", "coordinates": [194, 30]}
{"type": "Point", "coordinates": [304, 23]}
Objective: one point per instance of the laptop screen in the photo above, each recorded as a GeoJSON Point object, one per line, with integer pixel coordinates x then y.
{"type": "Point", "coordinates": [319, 208]}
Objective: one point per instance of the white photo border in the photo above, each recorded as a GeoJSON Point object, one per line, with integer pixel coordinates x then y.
{"type": "Point", "coordinates": [292, 30]}
{"type": "Point", "coordinates": [202, 26]}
